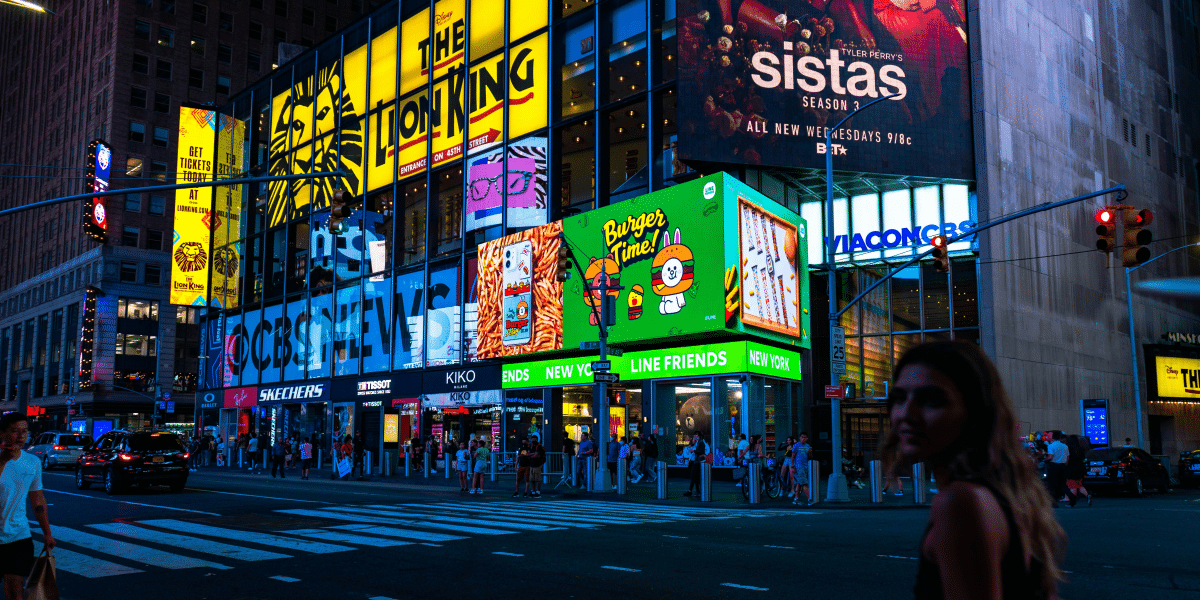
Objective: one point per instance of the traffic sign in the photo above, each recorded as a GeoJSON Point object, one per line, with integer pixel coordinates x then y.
{"type": "Point", "coordinates": [170, 406]}
{"type": "Point", "coordinates": [70, 400]}
{"type": "Point", "coordinates": [833, 391]}
{"type": "Point", "coordinates": [589, 345]}
{"type": "Point", "coordinates": [614, 351]}
{"type": "Point", "coordinates": [166, 395]}
{"type": "Point", "coordinates": [837, 349]}
{"type": "Point", "coordinates": [70, 411]}
{"type": "Point", "coordinates": [605, 377]}
{"type": "Point", "coordinates": [601, 365]}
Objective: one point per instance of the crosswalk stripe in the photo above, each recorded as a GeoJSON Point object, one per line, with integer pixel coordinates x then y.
{"type": "Point", "coordinates": [401, 533]}
{"type": "Point", "coordinates": [559, 514]}
{"type": "Point", "coordinates": [329, 514]}
{"type": "Point", "coordinates": [406, 513]}
{"type": "Point", "coordinates": [339, 536]}
{"type": "Point", "coordinates": [568, 508]}
{"type": "Point", "coordinates": [190, 543]}
{"type": "Point", "coordinates": [82, 564]}
{"type": "Point", "coordinates": [132, 552]}
{"type": "Point", "coordinates": [553, 521]}
{"type": "Point", "coordinates": [565, 519]}
{"type": "Point", "coordinates": [254, 537]}
{"type": "Point", "coordinates": [633, 509]}
{"type": "Point", "coordinates": [383, 516]}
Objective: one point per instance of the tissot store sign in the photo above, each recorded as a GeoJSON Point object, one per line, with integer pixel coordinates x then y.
{"type": "Point", "coordinates": [296, 392]}
{"type": "Point", "coordinates": [469, 379]}
{"type": "Point", "coordinates": [377, 387]}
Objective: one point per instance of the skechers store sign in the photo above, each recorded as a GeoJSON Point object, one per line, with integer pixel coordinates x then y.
{"type": "Point", "coordinates": [706, 359]}
{"type": "Point", "coordinates": [303, 392]}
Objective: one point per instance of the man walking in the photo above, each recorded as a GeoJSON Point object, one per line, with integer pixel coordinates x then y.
{"type": "Point", "coordinates": [360, 453]}
{"type": "Point", "coordinates": [586, 448]}
{"type": "Point", "coordinates": [698, 456]}
{"type": "Point", "coordinates": [278, 452]}
{"type": "Point", "coordinates": [614, 454]}
{"type": "Point", "coordinates": [20, 486]}
{"type": "Point", "coordinates": [523, 460]}
{"type": "Point", "coordinates": [650, 457]}
{"type": "Point", "coordinates": [800, 456]}
{"type": "Point", "coordinates": [252, 450]}
{"type": "Point", "coordinates": [568, 449]}
{"type": "Point", "coordinates": [537, 456]}
{"type": "Point", "coordinates": [1056, 468]}
{"type": "Point", "coordinates": [306, 458]}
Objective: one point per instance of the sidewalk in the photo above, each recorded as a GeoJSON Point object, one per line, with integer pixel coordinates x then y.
{"type": "Point", "coordinates": [725, 494]}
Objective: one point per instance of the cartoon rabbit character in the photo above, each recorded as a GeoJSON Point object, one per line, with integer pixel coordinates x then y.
{"type": "Point", "coordinates": [671, 274]}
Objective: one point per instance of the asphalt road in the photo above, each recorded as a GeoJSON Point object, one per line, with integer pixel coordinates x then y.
{"type": "Point", "coordinates": [233, 536]}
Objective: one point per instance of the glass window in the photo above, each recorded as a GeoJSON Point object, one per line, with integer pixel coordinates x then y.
{"type": "Point", "coordinates": [153, 274]}
{"type": "Point", "coordinates": [308, 17]}
{"type": "Point", "coordinates": [897, 216]}
{"type": "Point", "coordinates": [226, 22]}
{"type": "Point", "coordinates": [197, 45]}
{"type": "Point", "coordinates": [199, 13]}
{"type": "Point", "coordinates": [158, 171]}
{"type": "Point", "coordinates": [865, 214]}
{"type": "Point", "coordinates": [577, 167]}
{"type": "Point", "coordinates": [319, 335]}
{"type": "Point", "coordinates": [129, 272]}
{"type": "Point", "coordinates": [377, 232]}
{"type": "Point", "coordinates": [906, 300]}
{"type": "Point", "coordinates": [566, 8]}
{"type": "Point", "coordinates": [408, 327]}
{"type": "Point", "coordinates": [281, 8]}
{"type": "Point", "coordinates": [137, 132]}
{"type": "Point", "coordinates": [196, 78]}
{"type": "Point", "coordinates": [250, 347]}
{"type": "Point", "coordinates": [154, 240]}
{"type": "Point", "coordinates": [295, 353]}
{"type": "Point", "coordinates": [671, 165]}
{"type": "Point", "coordinates": [347, 330]}
{"type": "Point", "coordinates": [225, 54]}
{"type": "Point", "coordinates": [136, 345]}
{"type": "Point", "coordinates": [444, 324]}
{"type": "Point", "coordinates": [141, 30]}
{"type": "Point", "coordinates": [133, 167]}
{"type": "Point", "coordinates": [321, 252]}
{"type": "Point", "coordinates": [448, 205]}
{"type": "Point", "coordinates": [137, 98]}
{"type": "Point", "coordinates": [129, 237]}
{"type": "Point", "coordinates": [578, 69]}
{"type": "Point", "coordinates": [255, 30]}
{"type": "Point", "coordinates": [158, 205]}
{"type": "Point", "coordinates": [929, 210]}
{"type": "Point", "coordinates": [693, 413]}
{"type": "Point", "coordinates": [376, 322]}
{"type": "Point", "coordinates": [141, 64]}
{"type": "Point", "coordinates": [874, 306]}
{"type": "Point", "coordinates": [526, 186]}
{"type": "Point", "coordinates": [272, 343]}
{"type": "Point", "coordinates": [253, 61]}
{"type": "Point", "coordinates": [668, 43]}
{"type": "Point", "coordinates": [299, 240]}
{"type": "Point", "coordinates": [627, 152]}
{"type": "Point", "coordinates": [133, 203]}
{"type": "Point", "coordinates": [223, 84]}
{"type": "Point", "coordinates": [276, 261]}
{"type": "Point", "coordinates": [137, 309]}
{"type": "Point", "coordinates": [471, 310]}
{"type": "Point", "coordinates": [162, 137]}
{"type": "Point", "coordinates": [627, 54]}
{"type": "Point", "coordinates": [330, 24]}
{"type": "Point", "coordinates": [966, 291]}
{"type": "Point", "coordinates": [167, 6]}
{"type": "Point", "coordinates": [162, 69]}
{"type": "Point", "coordinates": [162, 103]}
{"type": "Point", "coordinates": [936, 294]}
{"type": "Point", "coordinates": [166, 37]}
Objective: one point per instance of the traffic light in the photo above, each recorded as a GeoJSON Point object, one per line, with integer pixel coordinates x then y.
{"type": "Point", "coordinates": [1107, 230]}
{"type": "Point", "coordinates": [339, 209]}
{"type": "Point", "coordinates": [564, 260]}
{"type": "Point", "coordinates": [941, 262]}
{"type": "Point", "coordinates": [1136, 237]}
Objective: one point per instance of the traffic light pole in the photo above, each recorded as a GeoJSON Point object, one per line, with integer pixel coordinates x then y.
{"type": "Point", "coordinates": [1137, 391]}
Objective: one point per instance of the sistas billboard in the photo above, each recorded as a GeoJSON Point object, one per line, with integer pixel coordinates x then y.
{"type": "Point", "coordinates": [762, 81]}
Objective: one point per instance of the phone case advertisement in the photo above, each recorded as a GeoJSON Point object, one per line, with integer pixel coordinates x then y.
{"type": "Point", "coordinates": [520, 301]}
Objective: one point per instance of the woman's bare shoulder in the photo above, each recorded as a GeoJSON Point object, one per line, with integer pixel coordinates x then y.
{"type": "Point", "coordinates": [970, 507]}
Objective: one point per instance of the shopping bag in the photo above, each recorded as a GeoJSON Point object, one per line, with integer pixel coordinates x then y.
{"type": "Point", "coordinates": [41, 584]}
{"type": "Point", "coordinates": [343, 467]}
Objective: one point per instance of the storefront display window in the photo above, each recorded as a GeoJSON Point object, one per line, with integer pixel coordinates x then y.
{"type": "Point", "coordinates": [693, 410]}
{"type": "Point", "coordinates": [731, 418]}
{"type": "Point", "coordinates": [577, 415]}
{"type": "Point", "coordinates": [524, 418]}
{"type": "Point", "coordinates": [343, 421]}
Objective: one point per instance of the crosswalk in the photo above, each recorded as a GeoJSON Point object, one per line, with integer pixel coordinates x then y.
{"type": "Point", "coordinates": [129, 547]}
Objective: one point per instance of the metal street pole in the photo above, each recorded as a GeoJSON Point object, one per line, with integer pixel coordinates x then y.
{"type": "Point", "coordinates": [1137, 392]}
{"type": "Point", "coordinates": [838, 491]}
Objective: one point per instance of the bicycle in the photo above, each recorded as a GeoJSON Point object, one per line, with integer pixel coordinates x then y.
{"type": "Point", "coordinates": [772, 486]}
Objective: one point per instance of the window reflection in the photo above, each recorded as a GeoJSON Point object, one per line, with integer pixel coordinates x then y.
{"type": "Point", "coordinates": [627, 54]}
{"type": "Point", "coordinates": [578, 78]}
{"type": "Point", "coordinates": [627, 159]}
{"type": "Point", "coordinates": [412, 240]}
{"type": "Point", "coordinates": [448, 208]}
{"type": "Point", "coordinates": [577, 167]}
{"type": "Point", "coordinates": [377, 231]}
{"type": "Point", "coordinates": [906, 300]}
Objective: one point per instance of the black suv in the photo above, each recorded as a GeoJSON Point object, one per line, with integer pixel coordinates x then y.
{"type": "Point", "coordinates": [1189, 468]}
{"type": "Point", "coordinates": [123, 457]}
{"type": "Point", "coordinates": [1124, 468]}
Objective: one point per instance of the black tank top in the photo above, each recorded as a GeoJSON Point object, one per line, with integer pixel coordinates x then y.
{"type": "Point", "coordinates": [1016, 581]}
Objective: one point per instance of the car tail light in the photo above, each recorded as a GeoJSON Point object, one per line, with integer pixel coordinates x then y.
{"type": "Point", "coordinates": [60, 447]}
{"type": "Point", "coordinates": [1122, 465]}
{"type": "Point", "coordinates": [127, 456]}
{"type": "Point", "coordinates": [185, 455]}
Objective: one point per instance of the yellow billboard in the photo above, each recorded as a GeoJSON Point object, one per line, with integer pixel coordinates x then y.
{"type": "Point", "coordinates": [194, 220]}
{"type": "Point", "coordinates": [446, 113]}
{"type": "Point", "coordinates": [226, 259]}
{"type": "Point", "coordinates": [527, 86]}
{"type": "Point", "coordinates": [413, 123]}
{"type": "Point", "coordinates": [414, 35]}
{"type": "Point", "coordinates": [1178, 377]}
{"type": "Point", "coordinates": [485, 99]}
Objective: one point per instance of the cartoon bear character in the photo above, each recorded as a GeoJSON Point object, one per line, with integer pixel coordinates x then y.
{"type": "Point", "coordinates": [671, 274]}
{"type": "Point", "coordinates": [635, 303]}
{"type": "Point", "coordinates": [592, 276]}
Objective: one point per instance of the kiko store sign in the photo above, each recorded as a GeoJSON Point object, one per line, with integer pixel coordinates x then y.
{"type": "Point", "coordinates": [462, 379]}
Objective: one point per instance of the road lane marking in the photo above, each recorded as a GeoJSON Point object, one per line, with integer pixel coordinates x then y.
{"type": "Point", "coordinates": [780, 547]}
{"type": "Point", "coordinates": [894, 556]}
{"type": "Point", "coordinates": [90, 497]}
{"type": "Point", "coordinates": [254, 537]}
{"type": "Point", "coordinates": [431, 544]}
{"type": "Point", "coordinates": [678, 537]}
{"type": "Point", "coordinates": [517, 515]}
{"type": "Point", "coordinates": [183, 541]}
{"type": "Point", "coordinates": [284, 578]}
{"type": "Point", "coordinates": [135, 553]}
{"type": "Point", "coordinates": [745, 587]}
{"type": "Point", "coordinates": [92, 568]}
{"type": "Point", "coordinates": [338, 536]}
{"type": "Point", "coordinates": [507, 554]}
{"type": "Point", "coordinates": [258, 496]}
{"type": "Point", "coordinates": [622, 569]}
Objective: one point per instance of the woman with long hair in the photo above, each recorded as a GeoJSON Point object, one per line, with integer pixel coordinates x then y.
{"type": "Point", "coordinates": [991, 532]}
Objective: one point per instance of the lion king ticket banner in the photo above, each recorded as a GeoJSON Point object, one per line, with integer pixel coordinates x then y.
{"type": "Point", "coordinates": [762, 81]}
{"type": "Point", "coordinates": [194, 217]}
{"type": "Point", "coordinates": [711, 257]}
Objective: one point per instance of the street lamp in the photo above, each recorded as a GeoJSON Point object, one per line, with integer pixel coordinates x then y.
{"type": "Point", "coordinates": [837, 492]}
{"type": "Point", "coordinates": [1137, 392]}
{"type": "Point", "coordinates": [28, 5]}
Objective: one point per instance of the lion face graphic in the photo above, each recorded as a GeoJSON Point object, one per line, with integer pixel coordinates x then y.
{"type": "Point", "coordinates": [225, 261]}
{"type": "Point", "coordinates": [190, 257]}
{"type": "Point", "coordinates": [294, 149]}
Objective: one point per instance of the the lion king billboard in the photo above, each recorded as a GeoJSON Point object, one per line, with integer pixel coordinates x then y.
{"type": "Point", "coordinates": [194, 217]}
{"type": "Point", "coordinates": [761, 82]}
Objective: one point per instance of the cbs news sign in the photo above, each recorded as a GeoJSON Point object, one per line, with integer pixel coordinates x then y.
{"type": "Point", "coordinates": [408, 100]}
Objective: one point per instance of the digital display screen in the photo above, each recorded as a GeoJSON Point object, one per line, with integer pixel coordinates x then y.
{"type": "Point", "coordinates": [1095, 425]}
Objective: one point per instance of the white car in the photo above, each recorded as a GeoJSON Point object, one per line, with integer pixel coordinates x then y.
{"type": "Point", "coordinates": [59, 448]}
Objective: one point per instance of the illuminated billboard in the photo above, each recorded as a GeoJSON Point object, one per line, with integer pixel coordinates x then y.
{"type": "Point", "coordinates": [1178, 377]}
{"type": "Point", "coordinates": [194, 217]}
{"type": "Point", "coordinates": [763, 86]}
{"type": "Point", "coordinates": [227, 217]}
{"type": "Point", "coordinates": [95, 210]}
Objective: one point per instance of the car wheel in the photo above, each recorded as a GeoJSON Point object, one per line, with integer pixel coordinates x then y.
{"type": "Point", "coordinates": [177, 486]}
{"type": "Point", "coordinates": [110, 483]}
{"type": "Point", "coordinates": [80, 482]}
{"type": "Point", "coordinates": [1138, 489]}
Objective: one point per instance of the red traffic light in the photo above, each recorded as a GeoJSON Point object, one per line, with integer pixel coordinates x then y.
{"type": "Point", "coordinates": [1142, 218]}
{"type": "Point", "coordinates": [938, 241]}
{"type": "Point", "coordinates": [941, 261]}
{"type": "Point", "coordinates": [1105, 216]}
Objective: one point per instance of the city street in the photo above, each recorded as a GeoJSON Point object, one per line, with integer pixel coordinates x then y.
{"type": "Point", "coordinates": [232, 536]}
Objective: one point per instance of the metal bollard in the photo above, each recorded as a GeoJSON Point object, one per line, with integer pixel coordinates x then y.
{"type": "Point", "coordinates": [492, 465]}
{"type": "Point", "coordinates": [755, 482]}
{"type": "Point", "coordinates": [661, 480]}
{"type": "Point", "coordinates": [407, 463]}
{"type": "Point", "coordinates": [446, 463]}
{"type": "Point", "coordinates": [241, 457]}
{"type": "Point", "coordinates": [366, 464]}
{"type": "Point", "coordinates": [876, 482]}
{"type": "Point", "coordinates": [426, 465]}
{"type": "Point", "coordinates": [814, 481]}
{"type": "Point", "coordinates": [622, 476]}
{"type": "Point", "coordinates": [590, 474]}
{"type": "Point", "coordinates": [320, 459]}
{"type": "Point", "coordinates": [705, 481]}
{"type": "Point", "coordinates": [386, 465]}
{"type": "Point", "coordinates": [920, 483]}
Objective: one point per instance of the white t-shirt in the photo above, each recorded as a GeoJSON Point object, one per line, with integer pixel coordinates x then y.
{"type": "Point", "coordinates": [1058, 452]}
{"type": "Point", "coordinates": [461, 456]}
{"type": "Point", "coordinates": [742, 445]}
{"type": "Point", "coordinates": [253, 446]}
{"type": "Point", "coordinates": [20, 477]}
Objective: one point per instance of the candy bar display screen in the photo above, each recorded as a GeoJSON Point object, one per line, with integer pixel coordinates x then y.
{"type": "Point", "coordinates": [762, 81]}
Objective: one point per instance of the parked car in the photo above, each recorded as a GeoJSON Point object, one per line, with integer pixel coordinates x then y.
{"type": "Point", "coordinates": [58, 448]}
{"type": "Point", "coordinates": [1124, 468]}
{"type": "Point", "coordinates": [1189, 468]}
{"type": "Point", "coordinates": [121, 458]}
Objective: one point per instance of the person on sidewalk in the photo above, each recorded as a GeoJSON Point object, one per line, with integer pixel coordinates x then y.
{"type": "Point", "coordinates": [1056, 469]}
{"type": "Point", "coordinates": [252, 451]}
{"type": "Point", "coordinates": [568, 449]}
{"type": "Point", "coordinates": [346, 452]}
{"type": "Point", "coordinates": [433, 454]}
{"type": "Point", "coordinates": [614, 454]}
{"type": "Point", "coordinates": [698, 454]}
{"type": "Point", "coordinates": [1076, 469]}
{"type": "Point", "coordinates": [635, 466]}
{"type": "Point", "coordinates": [586, 448]}
{"type": "Point", "coordinates": [482, 457]}
{"type": "Point", "coordinates": [523, 458]}
{"type": "Point", "coordinates": [278, 455]}
{"type": "Point", "coordinates": [20, 487]}
{"type": "Point", "coordinates": [360, 453]}
{"type": "Point", "coordinates": [306, 458]}
{"type": "Point", "coordinates": [537, 458]}
{"type": "Point", "coordinates": [650, 457]}
{"type": "Point", "coordinates": [460, 465]}
{"type": "Point", "coordinates": [800, 457]}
